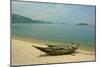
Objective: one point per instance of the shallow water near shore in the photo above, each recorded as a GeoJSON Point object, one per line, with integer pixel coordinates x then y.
{"type": "Point", "coordinates": [56, 33]}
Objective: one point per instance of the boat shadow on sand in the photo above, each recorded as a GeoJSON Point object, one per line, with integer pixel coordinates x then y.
{"type": "Point", "coordinates": [46, 55]}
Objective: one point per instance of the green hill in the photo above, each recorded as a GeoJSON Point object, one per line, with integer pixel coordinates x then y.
{"type": "Point", "coordinates": [22, 19]}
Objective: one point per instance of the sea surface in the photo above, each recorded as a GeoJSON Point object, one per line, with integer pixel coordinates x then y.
{"type": "Point", "coordinates": [83, 34]}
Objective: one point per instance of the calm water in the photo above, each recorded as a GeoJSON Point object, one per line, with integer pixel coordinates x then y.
{"type": "Point", "coordinates": [56, 32]}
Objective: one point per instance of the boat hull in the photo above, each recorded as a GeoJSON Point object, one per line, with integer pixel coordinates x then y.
{"type": "Point", "coordinates": [55, 50]}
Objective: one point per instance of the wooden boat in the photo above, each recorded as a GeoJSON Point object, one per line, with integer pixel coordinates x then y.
{"type": "Point", "coordinates": [58, 49]}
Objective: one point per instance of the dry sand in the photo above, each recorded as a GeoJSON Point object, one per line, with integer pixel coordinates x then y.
{"type": "Point", "coordinates": [24, 54]}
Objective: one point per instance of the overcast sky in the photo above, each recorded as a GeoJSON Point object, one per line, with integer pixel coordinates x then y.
{"type": "Point", "coordinates": [56, 13]}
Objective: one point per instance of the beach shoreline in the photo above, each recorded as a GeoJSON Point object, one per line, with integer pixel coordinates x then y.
{"type": "Point", "coordinates": [24, 54]}
{"type": "Point", "coordinates": [43, 42]}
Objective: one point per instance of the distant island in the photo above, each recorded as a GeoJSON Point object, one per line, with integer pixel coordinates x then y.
{"type": "Point", "coordinates": [81, 24]}
{"type": "Point", "coordinates": [22, 19]}
{"type": "Point", "coordinates": [63, 23]}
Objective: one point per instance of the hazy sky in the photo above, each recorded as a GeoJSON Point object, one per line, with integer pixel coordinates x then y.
{"type": "Point", "coordinates": [56, 13]}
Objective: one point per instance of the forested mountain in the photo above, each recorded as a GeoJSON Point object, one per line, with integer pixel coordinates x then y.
{"type": "Point", "coordinates": [22, 19]}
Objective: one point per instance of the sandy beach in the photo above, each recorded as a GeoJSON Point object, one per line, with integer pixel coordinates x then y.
{"type": "Point", "coordinates": [24, 54]}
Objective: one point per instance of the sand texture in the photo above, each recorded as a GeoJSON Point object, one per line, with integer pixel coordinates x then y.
{"type": "Point", "coordinates": [24, 54]}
